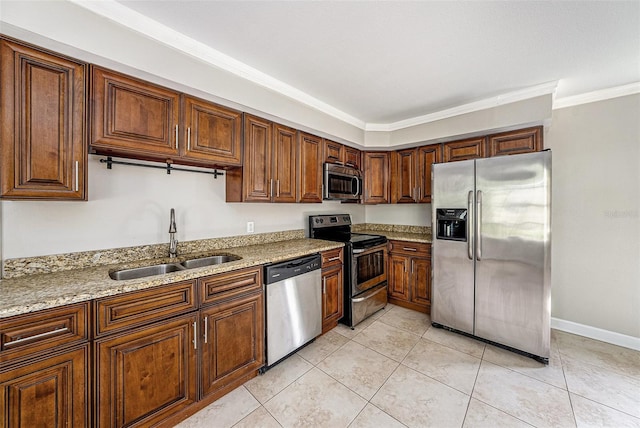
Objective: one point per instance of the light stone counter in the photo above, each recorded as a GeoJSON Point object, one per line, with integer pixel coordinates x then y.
{"type": "Point", "coordinates": [420, 234]}
{"type": "Point", "coordinates": [30, 293]}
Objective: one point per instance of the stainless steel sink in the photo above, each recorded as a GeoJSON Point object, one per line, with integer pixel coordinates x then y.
{"type": "Point", "coordinates": [163, 268]}
{"type": "Point", "coordinates": [209, 261]}
{"type": "Point", "coordinates": [141, 272]}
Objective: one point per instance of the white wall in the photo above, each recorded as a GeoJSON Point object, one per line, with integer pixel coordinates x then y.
{"type": "Point", "coordinates": [596, 214]}
{"type": "Point", "coordinates": [130, 206]}
{"type": "Point", "coordinates": [405, 214]}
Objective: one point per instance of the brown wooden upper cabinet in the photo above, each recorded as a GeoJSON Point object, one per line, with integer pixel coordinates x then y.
{"type": "Point", "coordinates": [134, 118]}
{"type": "Point", "coordinates": [269, 171]}
{"type": "Point", "coordinates": [411, 173]}
{"type": "Point", "coordinates": [310, 168]}
{"type": "Point", "coordinates": [341, 154]}
{"type": "Point", "coordinates": [214, 133]}
{"type": "Point", "coordinates": [43, 137]}
{"type": "Point", "coordinates": [514, 142]}
{"type": "Point", "coordinates": [472, 148]}
{"type": "Point", "coordinates": [352, 157]}
{"type": "Point", "coordinates": [376, 178]}
{"type": "Point", "coordinates": [333, 152]}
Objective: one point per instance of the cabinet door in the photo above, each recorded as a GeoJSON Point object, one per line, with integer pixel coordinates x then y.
{"type": "Point", "coordinates": [233, 343]}
{"type": "Point", "coordinates": [352, 157]}
{"type": "Point", "coordinates": [48, 392]}
{"type": "Point", "coordinates": [310, 167]}
{"type": "Point", "coordinates": [257, 181]}
{"type": "Point", "coordinates": [132, 116]}
{"type": "Point", "coordinates": [147, 374]}
{"type": "Point", "coordinates": [398, 276]}
{"type": "Point", "coordinates": [472, 148]}
{"type": "Point", "coordinates": [285, 148]}
{"type": "Point", "coordinates": [403, 176]}
{"type": "Point", "coordinates": [426, 157]}
{"type": "Point", "coordinates": [332, 297]}
{"type": "Point", "coordinates": [213, 133]}
{"type": "Point", "coordinates": [376, 178]}
{"type": "Point", "coordinates": [42, 121]}
{"type": "Point", "coordinates": [510, 143]}
{"type": "Point", "coordinates": [420, 290]}
{"type": "Point", "coordinates": [333, 152]}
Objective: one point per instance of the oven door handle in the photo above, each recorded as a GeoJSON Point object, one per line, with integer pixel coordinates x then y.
{"type": "Point", "coordinates": [359, 251]}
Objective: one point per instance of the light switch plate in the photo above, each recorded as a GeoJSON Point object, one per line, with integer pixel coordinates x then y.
{"type": "Point", "coordinates": [249, 227]}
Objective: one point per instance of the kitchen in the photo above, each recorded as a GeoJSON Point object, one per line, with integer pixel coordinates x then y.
{"type": "Point", "coordinates": [594, 144]}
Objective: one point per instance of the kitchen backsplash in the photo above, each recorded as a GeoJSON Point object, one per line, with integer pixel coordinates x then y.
{"type": "Point", "coordinates": [60, 262]}
{"type": "Point", "coordinates": [391, 228]}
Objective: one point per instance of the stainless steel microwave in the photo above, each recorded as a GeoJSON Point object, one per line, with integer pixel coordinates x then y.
{"type": "Point", "coordinates": [341, 183]}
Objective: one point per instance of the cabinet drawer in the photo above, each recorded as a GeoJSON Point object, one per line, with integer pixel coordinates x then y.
{"type": "Point", "coordinates": [141, 307]}
{"type": "Point", "coordinates": [410, 248]}
{"type": "Point", "coordinates": [44, 330]}
{"type": "Point", "coordinates": [332, 257]}
{"type": "Point", "coordinates": [230, 285]}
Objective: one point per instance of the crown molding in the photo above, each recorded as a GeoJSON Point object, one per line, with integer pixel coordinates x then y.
{"type": "Point", "coordinates": [600, 95]}
{"type": "Point", "coordinates": [148, 27]}
{"type": "Point", "coordinates": [114, 11]}
{"type": "Point", "coordinates": [507, 98]}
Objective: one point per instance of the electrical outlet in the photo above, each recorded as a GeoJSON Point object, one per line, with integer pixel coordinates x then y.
{"type": "Point", "coordinates": [249, 227]}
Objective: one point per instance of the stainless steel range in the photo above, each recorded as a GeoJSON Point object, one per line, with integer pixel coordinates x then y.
{"type": "Point", "coordinates": [365, 267]}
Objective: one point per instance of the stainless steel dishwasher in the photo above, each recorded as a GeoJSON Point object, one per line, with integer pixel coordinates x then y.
{"type": "Point", "coordinates": [293, 305]}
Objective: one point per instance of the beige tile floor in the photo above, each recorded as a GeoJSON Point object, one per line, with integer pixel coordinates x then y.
{"type": "Point", "coordinates": [396, 370]}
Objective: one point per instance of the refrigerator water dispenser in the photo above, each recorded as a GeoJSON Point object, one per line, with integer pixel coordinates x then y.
{"type": "Point", "coordinates": [451, 224]}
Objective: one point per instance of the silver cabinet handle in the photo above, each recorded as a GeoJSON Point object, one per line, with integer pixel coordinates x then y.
{"type": "Point", "coordinates": [206, 329]}
{"type": "Point", "coordinates": [77, 179]}
{"type": "Point", "coordinates": [195, 335]}
{"type": "Point", "coordinates": [324, 285]}
{"type": "Point", "coordinates": [409, 249]}
{"type": "Point", "coordinates": [176, 137]}
{"type": "Point", "coordinates": [334, 259]}
{"type": "Point", "coordinates": [419, 193]}
{"type": "Point", "coordinates": [188, 138]}
{"type": "Point", "coordinates": [469, 225]}
{"type": "Point", "coordinates": [278, 188]}
{"type": "Point", "coordinates": [479, 225]}
{"type": "Point", "coordinates": [271, 188]}
{"type": "Point", "coordinates": [37, 336]}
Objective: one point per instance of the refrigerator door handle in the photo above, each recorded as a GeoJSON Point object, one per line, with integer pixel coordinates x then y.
{"type": "Point", "coordinates": [479, 225]}
{"type": "Point", "coordinates": [469, 225]}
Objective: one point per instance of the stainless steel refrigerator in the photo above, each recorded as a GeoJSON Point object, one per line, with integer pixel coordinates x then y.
{"type": "Point", "coordinates": [491, 250]}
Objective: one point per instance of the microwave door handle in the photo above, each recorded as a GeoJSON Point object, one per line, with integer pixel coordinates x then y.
{"type": "Point", "coordinates": [357, 192]}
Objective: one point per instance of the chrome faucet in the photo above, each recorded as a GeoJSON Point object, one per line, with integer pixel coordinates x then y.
{"type": "Point", "coordinates": [173, 242]}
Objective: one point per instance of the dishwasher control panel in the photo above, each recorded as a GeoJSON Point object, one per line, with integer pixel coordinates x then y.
{"type": "Point", "coordinates": [288, 269]}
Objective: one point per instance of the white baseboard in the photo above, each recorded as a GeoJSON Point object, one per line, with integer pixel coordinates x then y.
{"type": "Point", "coordinates": [596, 333]}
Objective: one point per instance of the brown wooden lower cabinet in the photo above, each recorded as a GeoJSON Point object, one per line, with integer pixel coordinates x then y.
{"type": "Point", "coordinates": [332, 288]}
{"type": "Point", "coordinates": [50, 391]}
{"type": "Point", "coordinates": [233, 343]}
{"type": "Point", "coordinates": [409, 275]}
{"type": "Point", "coordinates": [145, 375]}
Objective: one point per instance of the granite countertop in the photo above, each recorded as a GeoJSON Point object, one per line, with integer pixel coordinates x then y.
{"type": "Point", "coordinates": [31, 293]}
{"type": "Point", "coordinates": [424, 238]}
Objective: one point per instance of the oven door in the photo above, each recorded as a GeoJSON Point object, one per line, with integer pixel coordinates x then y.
{"type": "Point", "coordinates": [368, 268]}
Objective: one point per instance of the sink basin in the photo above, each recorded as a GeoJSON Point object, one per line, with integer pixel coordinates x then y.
{"type": "Point", "coordinates": [209, 261]}
{"type": "Point", "coordinates": [141, 272]}
{"type": "Point", "coordinates": [162, 268]}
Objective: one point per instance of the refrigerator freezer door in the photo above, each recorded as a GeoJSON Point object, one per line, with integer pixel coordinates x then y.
{"type": "Point", "coordinates": [453, 261]}
{"type": "Point", "coordinates": [512, 304]}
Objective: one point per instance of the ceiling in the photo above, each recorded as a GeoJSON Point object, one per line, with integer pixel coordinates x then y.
{"type": "Point", "coordinates": [383, 62]}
